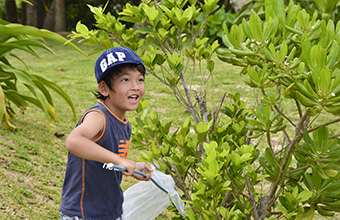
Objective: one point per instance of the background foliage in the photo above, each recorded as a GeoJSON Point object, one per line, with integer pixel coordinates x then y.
{"type": "Point", "coordinates": [77, 10]}
{"type": "Point", "coordinates": [217, 156]}
{"type": "Point", "coordinates": [286, 56]}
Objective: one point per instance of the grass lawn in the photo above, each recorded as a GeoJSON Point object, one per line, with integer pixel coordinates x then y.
{"type": "Point", "coordinates": [32, 159]}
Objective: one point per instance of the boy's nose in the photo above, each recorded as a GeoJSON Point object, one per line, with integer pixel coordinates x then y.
{"type": "Point", "coordinates": [134, 86]}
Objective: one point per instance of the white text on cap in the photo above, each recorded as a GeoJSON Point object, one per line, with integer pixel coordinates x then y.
{"type": "Point", "coordinates": [111, 59]}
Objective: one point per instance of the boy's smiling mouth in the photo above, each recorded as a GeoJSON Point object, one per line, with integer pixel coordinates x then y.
{"type": "Point", "coordinates": [133, 97]}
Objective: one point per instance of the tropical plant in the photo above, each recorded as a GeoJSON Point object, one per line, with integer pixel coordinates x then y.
{"type": "Point", "coordinates": [292, 56]}
{"type": "Point", "coordinates": [25, 38]}
{"type": "Point", "coordinates": [328, 10]}
{"type": "Point", "coordinates": [220, 173]}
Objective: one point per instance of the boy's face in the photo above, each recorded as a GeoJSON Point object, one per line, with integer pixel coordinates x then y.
{"type": "Point", "coordinates": [128, 89]}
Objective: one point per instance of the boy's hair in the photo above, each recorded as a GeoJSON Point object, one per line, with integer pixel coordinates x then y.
{"type": "Point", "coordinates": [115, 71]}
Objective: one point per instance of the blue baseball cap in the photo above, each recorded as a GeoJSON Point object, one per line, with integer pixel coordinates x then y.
{"type": "Point", "coordinates": [114, 57]}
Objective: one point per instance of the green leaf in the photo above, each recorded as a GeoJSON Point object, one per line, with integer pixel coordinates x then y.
{"type": "Point", "coordinates": [270, 158]}
{"type": "Point", "coordinates": [256, 123]}
{"type": "Point", "coordinates": [245, 157]}
{"type": "Point", "coordinates": [322, 79]}
{"type": "Point", "coordinates": [318, 56]}
{"type": "Point", "coordinates": [2, 104]}
{"type": "Point", "coordinates": [202, 131]}
{"type": "Point", "coordinates": [214, 167]}
{"type": "Point", "coordinates": [255, 23]}
{"type": "Point", "coordinates": [331, 172]}
{"type": "Point", "coordinates": [303, 18]}
{"type": "Point", "coordinates": [24, 45]}
{"type": "Point", "coordinates": [304, 196]}
{"type": "Point", "coordinates": [321, 137]}
{"type": "Point", "coordinates": [235, 158]}
{"type": "Point", "coordinates": [16, 98]}
{"type": "Point", "coordinates": [285, 203]}
{"type": "Point", "coordinates": [305, 55]}
{"type": "Point", "coordinates": [246, 29]}
{"type": "Point", "coordinates": [269, 55]}
{"type": "Point", "coordinates": [283, 52]}
{"type": "Point", "coordinates": [59, 91]}
{"type": "Point", "coordinates": [269, 28]}
{"type": "Point", "coordinates": [16, 29]}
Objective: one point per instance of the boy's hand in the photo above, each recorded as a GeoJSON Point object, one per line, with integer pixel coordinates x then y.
{"type": "Point", "coordinates": [129, 165]}
{"type": "Point", "coordinates": [142, 167]}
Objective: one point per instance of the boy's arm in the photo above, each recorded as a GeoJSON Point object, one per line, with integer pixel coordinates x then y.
{"type": "Point", "coordinates": [80, 142]}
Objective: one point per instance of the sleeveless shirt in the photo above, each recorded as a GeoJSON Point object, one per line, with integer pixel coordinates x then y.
{"type": "Point", "coordinates": [91, 190]}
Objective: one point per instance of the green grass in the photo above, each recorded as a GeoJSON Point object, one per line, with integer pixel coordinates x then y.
{"type": "Point", "coordinates": [32, 159]}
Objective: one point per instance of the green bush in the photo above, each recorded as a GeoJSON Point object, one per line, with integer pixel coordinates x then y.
{"type": "Point", "coordinates": [291, 56]}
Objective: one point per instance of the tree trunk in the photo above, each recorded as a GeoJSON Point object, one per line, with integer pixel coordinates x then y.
{"type": "Point", "coordinates": [41, 14]}
{"type": "Point", "coordinates": [31, 11]}
{"type": "Point", "coordinates": [60, 19]}
{"type": "Point", "coordinates": [49, 22]}
{"type": "Point", "coordinates": [226, 3]}
{"type": "Point", "coordinates": [237, 4]}
{"type": "Point", "coordinates": [11, 11]}
{"type": "Point", "coordinates": [23, 13]}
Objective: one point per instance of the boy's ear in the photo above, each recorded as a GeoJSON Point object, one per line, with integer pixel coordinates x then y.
{"type": "Point", "coordinates": [103, 88]}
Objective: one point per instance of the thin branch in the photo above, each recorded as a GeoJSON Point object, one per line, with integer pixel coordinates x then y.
{"type": "Point", "coordinates": [298, 107]}
{"type": "Point", "coordinates": [213, 87]}
{"type": "Point", "coordinates": [278, 110]}
{"type": "Point", "coordinates": [259, 141]}
{"type": "Point", "coordinates": [181, 181]}
{"type": "Point", "coordinates": [314, 119]}
{"type": "Point", "coordinates": [324, 124]}
{"type": "Point", "coordinates": [215, 115]}
{"type": "Point", "coordinates": [177, 94]}
{"type": "Point", "coordinates": [301, 127]}
{"type": "Point", "coordinates": [190, 103]}
{"type": "Point", "coordinates": [286, 136]}
{"type": "Point", "coordinates": [334, 136]}
{"type": "Point", "coordinates": [252, 199]}
{"type": "Point", "coordinates": [296, 170]}
{"type": "Point", "coordinates": [283, 115]}
{"type": "Point", "coordinates": [276, 213]}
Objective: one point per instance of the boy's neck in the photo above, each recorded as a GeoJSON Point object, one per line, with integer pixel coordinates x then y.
{"type": "Point", "coordinates": [121, 117]}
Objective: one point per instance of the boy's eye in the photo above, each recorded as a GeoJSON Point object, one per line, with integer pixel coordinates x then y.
{"type": "Point", "coordinates": [141, 80]}
{"type": "Point", "coordinates": [125, 80]}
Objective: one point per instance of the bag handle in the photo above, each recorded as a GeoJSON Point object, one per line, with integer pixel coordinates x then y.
{"type": "Point", "coordinates": [144, 175]}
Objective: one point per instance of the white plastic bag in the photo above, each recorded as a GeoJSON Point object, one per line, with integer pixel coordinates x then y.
{"type": "Point", "coordinates": [145, 201]}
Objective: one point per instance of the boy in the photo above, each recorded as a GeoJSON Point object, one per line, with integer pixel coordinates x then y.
{"type": "Point", "coordinates": [91, 187]}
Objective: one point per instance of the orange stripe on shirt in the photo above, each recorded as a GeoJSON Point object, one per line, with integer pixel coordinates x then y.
{"type": "Point", "coordinates": [124, 148]}
{"type": "Point", "coordinates": [82, 191]}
